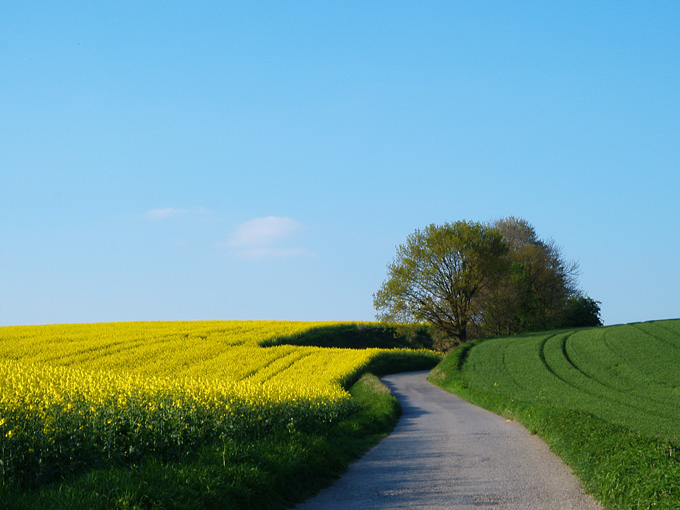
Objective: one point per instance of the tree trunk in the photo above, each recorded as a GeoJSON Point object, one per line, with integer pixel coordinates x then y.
{"type": "Point", "coordinates": [462, 333]}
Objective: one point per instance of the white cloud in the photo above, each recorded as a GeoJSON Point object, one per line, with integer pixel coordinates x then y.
{"type": "Point", "coordinates": [161, 214]}
{"type": "Point", "coordinates": [261, 238]}
{"type": "Point", "coordinates": [263, 231]}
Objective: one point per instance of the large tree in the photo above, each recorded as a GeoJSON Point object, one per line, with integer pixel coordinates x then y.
{"type": "Point", "coordinates": [438, 275]}
{"type": "Point", "coordinates": [535, 293]}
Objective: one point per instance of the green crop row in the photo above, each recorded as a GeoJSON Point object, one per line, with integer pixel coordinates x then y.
{"type": "Point", "coordinates": [627, 375]}
{"type": "Point", "coordinates": [607, 400]}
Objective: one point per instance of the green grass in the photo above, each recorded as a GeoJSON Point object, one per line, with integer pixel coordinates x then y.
{"type": "Point", "coordinates": [269, 472]}
{"type": "Point", "coordinates": [607, 400]}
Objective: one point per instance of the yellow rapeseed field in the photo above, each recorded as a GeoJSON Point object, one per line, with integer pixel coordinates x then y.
{"type": "Point", "coordinates": [94, 393]}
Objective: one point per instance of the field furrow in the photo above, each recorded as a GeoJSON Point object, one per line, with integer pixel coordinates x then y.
{"type": "Point", "coordinates": [625, 374]}
{"type": "Point", "coordinates": [73, 396]}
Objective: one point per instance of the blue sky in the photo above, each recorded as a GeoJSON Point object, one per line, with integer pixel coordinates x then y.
{"type": "Point", "coordinates": [262, 160]}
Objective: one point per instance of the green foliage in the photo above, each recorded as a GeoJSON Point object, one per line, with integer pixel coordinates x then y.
{"type": "Point", "coordinates": [605, 400]}
{"type": "Point", "coordinates": [533, 295]}
{"type": "Point", "coordinates": [403, 360]}
{"type": "Point", "coordinates": [582, 311]}
{"type": "Point", "coordinates": [471, 280]}
{"type": "Point", "coordinates": [438, 273]}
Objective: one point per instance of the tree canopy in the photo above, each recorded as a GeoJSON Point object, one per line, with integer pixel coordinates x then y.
{"type": "Point", "coordinates": [532, 294]}
{"type": "Point", "coordinates": [491, 279]}
{"type": "Point", "coordinates": [438, 273]}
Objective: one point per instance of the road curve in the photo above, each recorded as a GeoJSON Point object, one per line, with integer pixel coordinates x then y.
{"type": "Point", "coordinates": [446, 453]}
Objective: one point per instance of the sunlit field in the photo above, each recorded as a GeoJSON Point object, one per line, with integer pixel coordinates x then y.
{"type": "Point", "coordinates": [74, 396]}
{"type": "Point", "coordinates": [628, 374]}
{"type": "Point", "coordinates": [607, 400]}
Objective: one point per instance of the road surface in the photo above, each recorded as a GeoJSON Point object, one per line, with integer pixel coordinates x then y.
{"type": "Point", "coordinates": [446, 453]}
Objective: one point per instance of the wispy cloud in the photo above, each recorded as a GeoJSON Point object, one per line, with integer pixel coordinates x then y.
{"type": "Point", "coordinates": [263, 231]}
{"type": "Point", "coordinates": [260, 238]}
{"type": "Point", "coordinates": [162, 214]}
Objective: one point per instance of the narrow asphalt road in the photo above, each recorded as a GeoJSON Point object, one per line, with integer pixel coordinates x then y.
{"type": "Point", "coordinates": [446, 453]}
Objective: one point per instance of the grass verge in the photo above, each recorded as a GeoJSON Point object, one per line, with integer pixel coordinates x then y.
{"type": "Point", "coordinates": [270, 472]}
{"type": "Point", "coordinates": [622, 468]}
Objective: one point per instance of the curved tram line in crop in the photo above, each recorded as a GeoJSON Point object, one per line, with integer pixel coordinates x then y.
{"type": "Point", "coordinates": [624, 374]}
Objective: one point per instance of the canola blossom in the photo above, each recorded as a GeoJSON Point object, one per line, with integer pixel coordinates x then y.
{"type": "Point", "coordinates": [90, 394]}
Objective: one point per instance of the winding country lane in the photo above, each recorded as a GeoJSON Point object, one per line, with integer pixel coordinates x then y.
{"type": "Point", "coordinates": [446, 453]}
